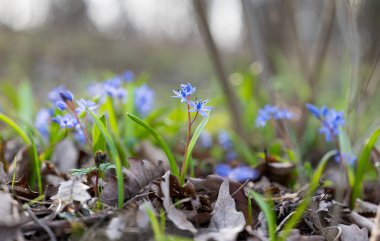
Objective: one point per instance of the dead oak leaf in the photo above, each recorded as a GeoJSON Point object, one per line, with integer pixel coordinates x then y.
{"type": "Point", "coordinates": [176, 216]}
{"type": "Point", "coordinates": [71, 190]}
{"type": "Point", "coordinates": [226, 223]}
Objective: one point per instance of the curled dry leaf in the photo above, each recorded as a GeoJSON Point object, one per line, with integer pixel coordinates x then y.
{"type": "Point", "coordinates": [140, 174]}
{"type": "Point", "coordinates": [176, 216]}
{"type": "Point", "coordinates": [21, 188]}
{"type": "Point", "coordinates": [211, 185]}
{"type": "Point", "coordinates": [10, 220]}
{"type": "Point", "coordinates": [71, 190]}
{"type": "Point", "coordinates": [226, 223]}
{"type": "Point", "coordinates": [353, 233]}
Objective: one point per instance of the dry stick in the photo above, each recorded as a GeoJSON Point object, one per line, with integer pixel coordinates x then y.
{"type": "Point", "coordinates": [257, 46]}
{"type": "Point", "coordinates": [41, 224]}
{"type": "Point", "coordinates": [314, 66]}
{"type": "Point", "coordinates": [232, 100]}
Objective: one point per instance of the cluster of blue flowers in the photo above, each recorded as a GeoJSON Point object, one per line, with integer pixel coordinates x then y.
{"type": "Point", "coordinates": [198, 105]}
{"type": "Point", "coordinates": [239, 173]}
{"type": "Point", "coordinates": [225, 142]}
{"type": "Point", "coordinates": [114, 88]}
{"type": "Point", "coordinates": [270, 112]}
{"type": "Point", "coordinates": [331, 120]}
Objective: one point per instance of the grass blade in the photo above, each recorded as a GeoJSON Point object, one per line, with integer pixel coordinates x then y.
{"type": "Point", "coordinates": [290, 224]}
{"type": "Point", "coordinates": [116, 157]}
{"type": "Point", "coordinates": [16, 127]}
{"type": "Point", "coordinates": [244, 150]}
{"type": "Point", "coordinates": [36, 166]}
{"type": "Point", "coordinates": [190, 148]}
{"type": "Point", "coordinates": [161, 141]}
{"type": "Point", "coordinates": [98, 140]}
{"type": "Point", "coordinates": [268, 210]}
{"type": "Point", "coordinates": [361, 166]}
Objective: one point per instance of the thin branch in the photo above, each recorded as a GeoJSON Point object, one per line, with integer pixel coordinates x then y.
{"type": "Point", "coordinates": [232, 100]}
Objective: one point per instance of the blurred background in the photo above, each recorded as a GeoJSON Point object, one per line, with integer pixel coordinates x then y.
{"type": "Point", "coordinates": [292, 52]}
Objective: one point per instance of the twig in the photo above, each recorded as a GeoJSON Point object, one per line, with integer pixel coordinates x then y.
{"type": "Point", "coordinates": [41, 224]}
{"type": "Point", "coordinates": [231, 98]}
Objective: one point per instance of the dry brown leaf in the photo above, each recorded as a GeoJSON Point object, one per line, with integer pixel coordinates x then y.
{"type": "Point", "coordinates": [375, 233]}
{"type": "Point", "coordinates": [71, 190]}
{"type": "Point", "coordinates": [226, 223]}
{"type": "Point", "coordinates": [353, 233]}
{"type": "Point", "coordinates": [140, 174]}
{"type": "Point", "coordinates": [10, 220]}
{"type": "Point", "coordinates": [176, 216]}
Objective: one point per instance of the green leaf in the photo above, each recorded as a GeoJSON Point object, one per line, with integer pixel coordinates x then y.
{"type": "Point", "coordinates": [16, 127]}
{"type": "Point", "coordinates": [115, 156]}
{"type": "Point", "coordinates": [363, 162]}
{"type": "Point", "coordinates": [190, 148]}
{"type": "Point", "coordinates": [25, 102]}
{"type": "Point", "coordinates": [107, 107]}
{"type": "Point", "coordinates": [161, 141]}
{"type": "Point", "coordinates": [36, 166]}
{"type": "Point", "coordinates": [98, 140]}
{"type": "Point", "coordinates": [290, 224]}
{"type": "Point", "coordinates": [102, 167]}
{"type": "Point", "coordinates": [268, 210]}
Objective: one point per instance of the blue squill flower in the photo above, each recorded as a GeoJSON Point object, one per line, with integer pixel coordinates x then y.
{"type": "Point", "coordinates": [199, 106]}
{"type": "Point", "coordinates": [42, 122]}
{"type": "Point", "coordinates": [61, 105]}
{"type": "Point", "coordinates": [272, 112]}
{"type": "Point", "coordinates": [66, 95]}
{"type": "Point", "coordinates": [185, 92]}
{"type": "Point", "coordinates": [114, 82]}
{"type": "Point", "coordinates": [350, 159]}
{"type": "Point", "coordinates": [54, 95]}
{"type": "Point", "coordinates": [67, 121]}
{"type": "Point", "coordinates": [222, 170]}
{"type": "Point", "coordinates": [331, 120]}
{"type": "Point", "coordinates": [144, 99]}
{"type": "Point", "coordinates": [240, 173]}
{"type": "Point", "coordinates": [83, 105]}
{"type": "Point", "coordinates": [243, 173]}
{"type": "Point", "coordinates": [205, 139]}
{"type": "Point", "coordinates": [128, 76]}
{"type": "Point", "coordinates": [224, 140]}
{"type": "Point", "coordinates": [115, 92]}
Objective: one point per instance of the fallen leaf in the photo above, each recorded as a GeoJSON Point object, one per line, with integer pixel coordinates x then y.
{"type": "Point", "coordinates": [353, 233]}
{"type": "Point", "coordinates": [10, 220]}
{"type": "Point", "coordinates": [211, 185]}
{"type": "Point", "coordinates": [226, 223]}
{"type": "Point", "coordinates": [71, 190]}
{"type": "Point", "coordinates": [21, 188]}
{"type": "Point", "coordinates": [140, 174]}
{"type": "Point", "coordinates": [65, 156]}
{"type": "Point", "coordinates": [375, 232]}
{"type": "Point", "coordinates": [176, 216]}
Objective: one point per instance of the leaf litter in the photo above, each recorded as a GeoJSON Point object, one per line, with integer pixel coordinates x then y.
{"type": "Point", "coordinates": [209, 208]}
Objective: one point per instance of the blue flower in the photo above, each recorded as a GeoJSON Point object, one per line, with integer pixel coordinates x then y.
{"type": "Point", "coordinates": [240, 173]}
{"type": "Point", "coordinates": [61, 105]}
{"type": "Point", "coordinates": [42, 122]}
{"type": "Point", "coordinates": [243, 173]}
{"type": "Point", "coordinates": [350, 159]}
{"type": "Point", "coordinates": [222, 170]}
{"type": "Point", "coordinates": [54, 95]}
{"type": "Point", "coordinates": [317, 112]}
{"type": "Point", "coordinates": [144, 99]}
{"type": "Point", "coordinates": [114, 82]}
{"type": "Point", "coordinates": [66, 95]}
{"type": "Point", "coordinates": [331, 120]}
{"type": "Point", "coordinates": [79, 136]}
{"type": "Point", "coordinates": [67, 121]}
{"type": "Point", "coordinates": [205, 139]}
{"type": "Point", "coordinates": [115, 92]}
{"type": "Point", "coordinates": [83, 105]}
{"type": "Point", "coordinates": [128, 76]}
{"type": "Point", "coordinates": [224, 140]}
{"type": "Point", "coordinates": [272, 112]}
{"type": "Point", "coordinates": [184, 93]}
{"type": "Point", "coordinates": [199, 106]}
